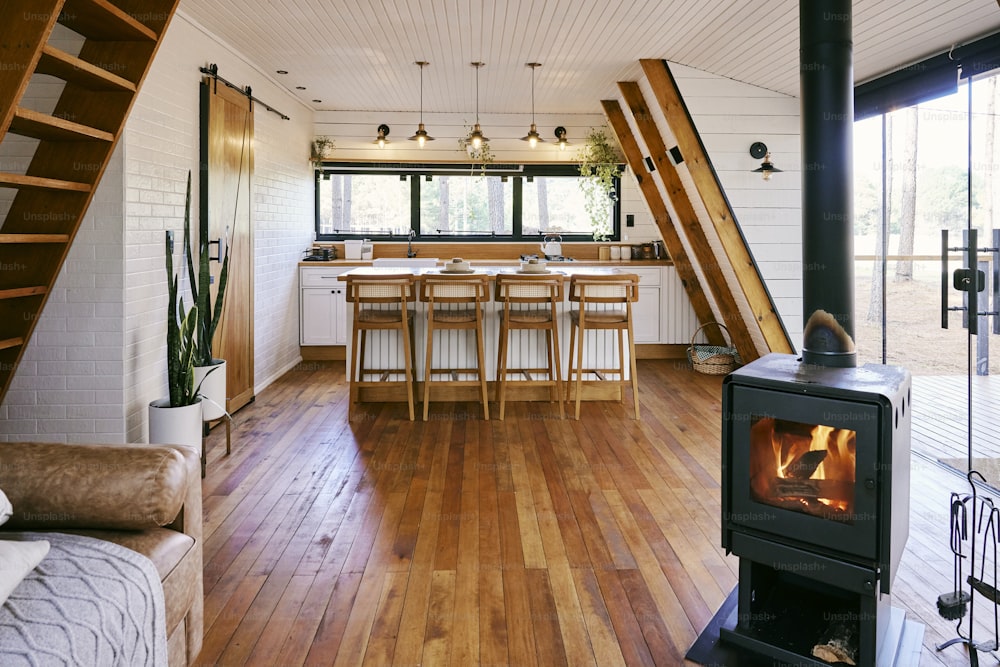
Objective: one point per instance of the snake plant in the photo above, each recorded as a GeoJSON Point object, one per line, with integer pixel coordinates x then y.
{"type": "Point", "coordinates": [181, 326]}
{"type": "Point", "coordinates": [200, 283]}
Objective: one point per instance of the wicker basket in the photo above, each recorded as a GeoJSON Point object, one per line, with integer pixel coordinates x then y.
{"type": "Point", "coordinates": [713, 359]}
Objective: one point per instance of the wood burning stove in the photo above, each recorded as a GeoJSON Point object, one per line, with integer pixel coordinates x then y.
{"type": "Point", "coordinates": [816, 505]}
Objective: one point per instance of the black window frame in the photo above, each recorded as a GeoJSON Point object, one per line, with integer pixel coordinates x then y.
{"type": "Point", "coordinates": [416, 175]}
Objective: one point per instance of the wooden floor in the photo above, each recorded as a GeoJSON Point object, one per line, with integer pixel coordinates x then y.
{"type": "Point", "coordinates": [532, 541]}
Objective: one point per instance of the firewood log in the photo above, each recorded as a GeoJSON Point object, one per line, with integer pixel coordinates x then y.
{"type": "Point", "coordinates": [838, 643]}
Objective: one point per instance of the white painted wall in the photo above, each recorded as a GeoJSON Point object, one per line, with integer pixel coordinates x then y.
{"type": "Point", "coordinates": [98, 355]}
{"type": "Point", "coordinates": [730, 116]}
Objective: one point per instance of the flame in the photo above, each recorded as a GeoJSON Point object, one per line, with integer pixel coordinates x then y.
{"type": "Point", "coordinates": [786, 450]}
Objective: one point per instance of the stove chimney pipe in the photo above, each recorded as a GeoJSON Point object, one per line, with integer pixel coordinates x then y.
{"type": "Point", "coordinates": [826, 74]}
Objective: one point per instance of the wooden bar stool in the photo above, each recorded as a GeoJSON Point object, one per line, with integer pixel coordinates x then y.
{"type": "Point", "coordinates": [529, 303]}
{"type": "Point", "coordinates": [604, 304]}
{"type": "Point", "coordinates": [455, 303]}
{"type": "Point", "coordinates": [381, 302]}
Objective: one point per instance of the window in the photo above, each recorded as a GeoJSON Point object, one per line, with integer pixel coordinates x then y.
{"type": "Point", "coordinates": [367, 204]}
{"type": "Point", "coordinates": [454, 202]}
{"type": "Point", "coordinates": [476, 206]}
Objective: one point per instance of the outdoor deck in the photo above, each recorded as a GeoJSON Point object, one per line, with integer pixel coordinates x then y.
{"type": "Point", "coordinates": [941, 416]}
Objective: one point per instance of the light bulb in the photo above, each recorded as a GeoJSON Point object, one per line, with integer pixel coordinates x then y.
{"type": "Point", "coordinates": [477, 142]}
{"type": "Point", "coordinates": [421, 140]}
{"type": "Point", "coordinates": [533, 141]}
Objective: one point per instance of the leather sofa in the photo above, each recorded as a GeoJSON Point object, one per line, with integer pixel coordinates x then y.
{"type": "Point", "coordinates": [144, 497]}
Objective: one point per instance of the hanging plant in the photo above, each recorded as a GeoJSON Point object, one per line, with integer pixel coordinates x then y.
{"type": "Point", "coordinates": [599, 164]}
{"type": "Point", "coordinates": [482, 155]}
{"type": "Point", "coordinates": [321, 146]}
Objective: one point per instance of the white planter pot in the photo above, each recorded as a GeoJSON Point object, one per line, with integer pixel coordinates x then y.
{"type": "Point", "coordinates": [175, 426]}
{"type": "Point", "coordinates": [213, 388]}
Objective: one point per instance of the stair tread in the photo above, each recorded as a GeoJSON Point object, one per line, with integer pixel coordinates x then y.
{"type": "Point", "coordinates": [100, 20]}
{"type": "Point", "coordinates": [21, 292]}
{"type": "Point", "coordinates": [11, 342]}
{"type": "Point", "coordinates": [34, 238]}
{"type": "Point", "coordinates": [39, 183]}
{"type": "Point", "coordinates": [29, 123]}
{"type": "Point", "coordinates": [58, 63]}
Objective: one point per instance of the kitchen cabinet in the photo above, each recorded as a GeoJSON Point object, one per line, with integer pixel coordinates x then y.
{"type": "Point", "coordinates": [646, 311]}
{"type": "Point", "coordinates": [323, 314]}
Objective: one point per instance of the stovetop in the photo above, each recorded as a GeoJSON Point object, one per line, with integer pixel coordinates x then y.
{"type": "Point", "coordinates": [548, 258]}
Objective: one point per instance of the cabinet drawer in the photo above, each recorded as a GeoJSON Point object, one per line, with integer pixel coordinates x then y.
{"type": "Point", "coordinates": [320, 276]}
{"type": "Point", "coordinates": [648, 276]}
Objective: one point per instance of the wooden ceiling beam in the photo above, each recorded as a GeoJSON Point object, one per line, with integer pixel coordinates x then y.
{"type": "Point", "coordinates": [729, 309]}
{"type": "Point", "coordinates": [654, 200]}
{"type": "Point", "coordinates": [713, 197]}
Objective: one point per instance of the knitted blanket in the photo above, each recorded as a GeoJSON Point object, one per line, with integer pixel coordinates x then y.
{"type": "Point", "coordinates": [89, 602]}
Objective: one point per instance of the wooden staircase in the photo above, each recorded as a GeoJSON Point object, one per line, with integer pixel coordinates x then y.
{"type": "Point", "coordinates": [74, 143]}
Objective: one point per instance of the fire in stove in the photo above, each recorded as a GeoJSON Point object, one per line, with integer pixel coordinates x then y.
{"type": "Point", "coordinates": [808, 468]}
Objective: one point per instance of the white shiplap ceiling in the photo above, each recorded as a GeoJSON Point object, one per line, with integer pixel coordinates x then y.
{"type": "Point", "coordinates": [359, 55]}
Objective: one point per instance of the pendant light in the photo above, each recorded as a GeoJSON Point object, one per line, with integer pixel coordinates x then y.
{"type": "Point", "coordinates": [476, 137]}
{"type": "Point", "coordinates": [421, 136]}
{"type": "Point", "coordinates": [532, 137]}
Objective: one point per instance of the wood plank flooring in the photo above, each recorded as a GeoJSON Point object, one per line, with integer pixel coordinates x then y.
{"type": "Point", "coordinates": [532, 541]}
{"type": "Point", "coordinates": [941, 419]}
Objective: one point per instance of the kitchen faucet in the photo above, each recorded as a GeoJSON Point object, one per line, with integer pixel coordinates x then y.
{"type": "Point", "coordinates": [410, 252]}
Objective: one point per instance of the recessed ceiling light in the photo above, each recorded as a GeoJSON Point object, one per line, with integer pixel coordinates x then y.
{"type": "Point", "coordinates": [282, 71]}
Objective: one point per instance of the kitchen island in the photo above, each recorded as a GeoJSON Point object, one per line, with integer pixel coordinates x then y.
{"type": "Point", "coordinates": [457, 349]}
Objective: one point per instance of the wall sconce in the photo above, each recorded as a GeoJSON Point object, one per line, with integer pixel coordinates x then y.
{"type": "Point", "coordinates": [383, 132]}
{"type": "Point", "coordinates": [758, 150]}
{"type": "Point", "coordinates": [561, 138]}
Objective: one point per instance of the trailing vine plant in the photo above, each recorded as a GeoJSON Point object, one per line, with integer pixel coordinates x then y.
{"type": "Point", "coordinates": [599, 164]}
{"type": "Point", "coordinates": [482, 155]}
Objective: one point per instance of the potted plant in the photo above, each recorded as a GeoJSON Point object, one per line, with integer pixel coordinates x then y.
{"type": "Point", "coordinates": [319, 149]}
{"type": "Point", "coordinates": [600, 165]}
{"type": "Point", "coordinates": [177, 420]}
{"type": "Point", "coordinates": [213, 384]}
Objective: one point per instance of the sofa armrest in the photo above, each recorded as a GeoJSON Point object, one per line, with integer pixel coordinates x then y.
{"type": "Point", "coordinates": [189, 519]}
{"type": "Point", "coordinates": [125, 487]}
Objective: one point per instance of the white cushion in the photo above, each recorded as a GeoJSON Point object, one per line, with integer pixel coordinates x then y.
{"type": "Point", "coordinates": [6, 510]}
{"type": "Point", "coordinates": [17, 559]}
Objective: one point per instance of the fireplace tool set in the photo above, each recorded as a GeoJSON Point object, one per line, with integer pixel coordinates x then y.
{"type": "Point", "coordinates": [983, 529]}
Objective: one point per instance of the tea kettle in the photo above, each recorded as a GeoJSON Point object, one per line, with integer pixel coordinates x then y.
{"type": "Point", "coordinates": [552, 245]}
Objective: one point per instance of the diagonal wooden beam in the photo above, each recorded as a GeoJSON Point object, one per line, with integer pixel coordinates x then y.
{"type": "Point", "coordinates": [654, 200]}
{"type": "Point", "coordinates": [710, 191]}
{"type": "Point", "coordinates": [688, 220]}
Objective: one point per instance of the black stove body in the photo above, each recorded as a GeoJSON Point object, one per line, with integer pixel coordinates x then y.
{"type": "Point", "coordinates": [815, 500]}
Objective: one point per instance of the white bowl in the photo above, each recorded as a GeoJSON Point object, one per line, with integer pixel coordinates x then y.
{"type": "Point", "coordinates": [533, 267]}
{"type": "Point", "coordinates": [458, 265]}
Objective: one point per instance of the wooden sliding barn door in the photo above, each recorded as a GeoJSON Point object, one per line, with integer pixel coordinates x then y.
{"type": "Point", "coordinates": [226, 213]}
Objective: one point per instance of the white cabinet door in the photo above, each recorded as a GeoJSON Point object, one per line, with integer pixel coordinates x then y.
{"type": "Point", "coordinates": [323, 316]}
{"type": "Point", "coordinates": [322, 306]}
{"type": "Point", "coordinates": [646, 315]}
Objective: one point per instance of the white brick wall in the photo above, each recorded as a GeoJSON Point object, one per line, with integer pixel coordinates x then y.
{"type": "Point", "coordinates": [162, 145]}
{"type": "Point", "coordinates": [98, 355]}
{"type": "Point", "coordinates": [69, 386]}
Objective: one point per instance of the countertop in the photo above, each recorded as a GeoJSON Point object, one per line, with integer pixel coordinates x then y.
{"type": "Point", "coordinates": [505, 263]}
